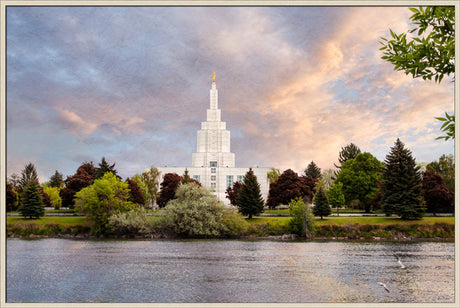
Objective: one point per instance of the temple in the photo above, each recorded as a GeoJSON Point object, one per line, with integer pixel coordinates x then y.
{"type": "Point", "coordinates": [213, 165]}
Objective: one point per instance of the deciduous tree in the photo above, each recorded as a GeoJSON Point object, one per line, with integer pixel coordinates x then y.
{"type": "Point", "coordinates": [437, 196]}
{"type": "Point", "coordinates": [11, 198]}
{"type": "Point", "coordinates": [273, 175]}
{"type": "Point", "coordinates": [401, 184]}
{"type": "Point", "coordinates": [82, 178]}
{"type": "Point", "coordinates": [168, 188]}
{"type": "Point", "coordinates": [232, 193]}
{"type": "Point", "coordinates": [360, 177]}
{"type": "Point", "coordinates": [335, 196]}
{"type": "Point", "coordinates": [288, 187]}
{"type": "Point", "coordinates": [135, 194]}
{"type": "Point", "coordinates": [55, 198]}
{"type": "Point", "coordinates": [105, 197]}
{"type": "Point", "coordinates": [428, 52]}
{"type": "Point", "coordinates": [445, 166]}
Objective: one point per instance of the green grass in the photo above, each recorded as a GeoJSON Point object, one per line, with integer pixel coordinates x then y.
{"type": "Point", "coordinates": [47, 225]}
{"type": "Point", "coordinates": [382, 220]}
{"type": "Point", "coordinates": [347, 227]}
{"type": "Point", "coordinates": [277, 211]}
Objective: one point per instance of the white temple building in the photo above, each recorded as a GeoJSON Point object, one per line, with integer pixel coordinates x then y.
{"type": "Point", "coordinates": [213, 165]}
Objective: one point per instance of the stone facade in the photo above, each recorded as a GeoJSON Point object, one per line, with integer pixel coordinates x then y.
{"type": "Point", "coordinates": [213, 165]}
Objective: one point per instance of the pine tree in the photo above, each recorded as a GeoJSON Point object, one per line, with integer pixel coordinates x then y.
{"type": "Point", "coordinates": [401, 184]}
{"type": "Point", "coordinates": [104, 167]}
{"type": "Point", "coordinates": [185, 177]}
{"type": "Point", "coordinates": [250, 201]}
{"type": "Point", "coordinates": [322, 207]}
{"type": "Point", "coordinates": [29, 173]}
{"type": "Point", "coordinates": [313, 171]}
{"type": "Point", "coordinates": [32, 202]}
{"type": "Point", "coordinates": [348, 152]}
{"type": "Point", "coordinates": [56, 180]}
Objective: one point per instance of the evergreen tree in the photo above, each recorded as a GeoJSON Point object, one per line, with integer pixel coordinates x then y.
{"type": "Point", "coordinates": [322, 207]}
{"type": "Point", "coordinates": [56, 180]}
{"type": "Point", "coordinates": [348, 152]}
{"type": "Point", "coordinates": [32, 202]}
{"type": "Point", "coordinates": [185, 177]}
{"type": "Point", "coordinates": [104, 167]}
{"type": "Point", "coordinates": [401, 184]}
{"type": "Point", "coordinates": [29, 173]}
{"type": "Point", "coordinates": [313, 171]}
{"type": "Point", "coordinates": [250, 201]}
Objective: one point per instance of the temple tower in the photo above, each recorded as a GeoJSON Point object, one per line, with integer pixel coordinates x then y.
{"type": "Point", "coordinates": [213, 139]}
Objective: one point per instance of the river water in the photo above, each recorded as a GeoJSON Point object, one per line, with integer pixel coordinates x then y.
{"type": "Point", "coordinates": [232, 271]}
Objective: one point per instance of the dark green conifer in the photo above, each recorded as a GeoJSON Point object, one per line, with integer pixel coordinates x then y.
{"type": "Point", "coordinates": [401, 184]}
{"type": "Point", "coordinates": [56, 180]}
{"type": "Point", "coordinates": [250, 201]}
{"type": "Point", "coordinates": [322, 207]}
{"type": "Point", "coordinates": [313, 171]}
{"type": "Point", "coordinates": [32, 202]}
{"type": "Point", "coordinates": [104, 167]}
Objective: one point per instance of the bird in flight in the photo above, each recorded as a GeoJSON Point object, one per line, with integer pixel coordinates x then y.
{"type": "Point", "coordinates": [384, 286]}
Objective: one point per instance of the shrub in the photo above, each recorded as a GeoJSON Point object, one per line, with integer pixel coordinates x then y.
{"type": "Point", "coordinates": [132, 222]}
{"type": "Point", "coordinates": [195, 212]}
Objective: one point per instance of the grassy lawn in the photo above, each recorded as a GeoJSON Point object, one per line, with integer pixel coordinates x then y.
{"type": "Point", "coordinates": [62, 220]}
{"type": "Point", "coordinates": [383, 220]}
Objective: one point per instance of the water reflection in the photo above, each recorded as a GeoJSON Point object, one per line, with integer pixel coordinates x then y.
{"type": "Point", "coordinates": [58, 270]}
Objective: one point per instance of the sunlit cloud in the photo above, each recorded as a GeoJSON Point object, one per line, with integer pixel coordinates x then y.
{"type": "Point", "coordinates": [295, 85]}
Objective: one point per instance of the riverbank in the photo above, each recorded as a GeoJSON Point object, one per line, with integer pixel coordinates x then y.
{"type": "Point", "coordinates": [272, 228]}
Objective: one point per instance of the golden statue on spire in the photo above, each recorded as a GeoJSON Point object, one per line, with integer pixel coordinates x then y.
{"type": "Point", "coordinates": [213, 77]}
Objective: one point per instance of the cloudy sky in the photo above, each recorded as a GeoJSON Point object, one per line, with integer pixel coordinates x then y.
{"type": "Point", "coordinates": [132, 84]}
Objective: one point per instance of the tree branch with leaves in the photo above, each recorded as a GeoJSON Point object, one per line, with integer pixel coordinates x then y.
{"type": "Point", "coordinates": [427, 50]}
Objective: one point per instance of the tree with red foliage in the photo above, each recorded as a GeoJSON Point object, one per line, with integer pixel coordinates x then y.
{"type": "Point", "coordinates": [11, 198]}
{"type": "Point", "coordinates": [437, 196]}
{"type": "Point", "coordinates": [82, 178]}
{"type": "Point", "coordinates": [135, 194]}
{"type": "Point", "coordinates": [290, 186]}
{"type": "Point", "coordinates": [232, 193]}
{"type": "Point", "coordinates": [45, 197]}
{"type": "Point", "coordinates": [168, 188]}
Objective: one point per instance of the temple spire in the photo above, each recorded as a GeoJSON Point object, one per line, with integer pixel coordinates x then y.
{"type": "Point", "coordinates": [213, 93]}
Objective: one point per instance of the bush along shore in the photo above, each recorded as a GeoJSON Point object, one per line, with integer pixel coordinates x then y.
{"type": "Point", "coordinates": [276, 228]}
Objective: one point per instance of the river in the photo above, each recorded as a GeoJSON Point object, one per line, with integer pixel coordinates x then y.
{"type": "Point", "coordinates": [232, 271]}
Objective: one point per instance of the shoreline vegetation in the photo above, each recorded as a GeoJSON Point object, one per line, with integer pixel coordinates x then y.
{"type": "Point", "coordinates": [259, 228]}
